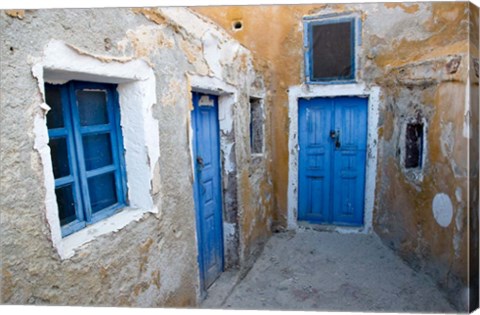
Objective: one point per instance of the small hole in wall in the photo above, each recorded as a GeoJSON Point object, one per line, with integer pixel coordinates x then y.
{"type": "Point", "coordinates": [237, 25]}
{"type": "Point", "coordinates": [413, 145]}
{"type": "Point", "coordinates": [12, 50]}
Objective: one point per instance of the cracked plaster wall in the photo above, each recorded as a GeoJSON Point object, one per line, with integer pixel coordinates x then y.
{"type": "Point", "coordinates": [151, 262]}
{"type": "Point", "coordinates": [418, 54]}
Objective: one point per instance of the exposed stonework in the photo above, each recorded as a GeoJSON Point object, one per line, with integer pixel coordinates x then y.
{"type": "Point", "coordinates": [19, 14]}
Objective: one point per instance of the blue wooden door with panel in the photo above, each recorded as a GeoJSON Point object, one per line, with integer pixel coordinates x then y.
{"type": "Point", "coordinates": [208, 200]}
{"type": "Point", "coordinates": [332, 155]}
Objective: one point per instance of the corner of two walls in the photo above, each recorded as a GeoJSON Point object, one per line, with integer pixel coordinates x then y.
{"type": "Point", "coordinates": [151, 261]}
{"type": "Point", "coordinates": [423, 214]}
{"type": "Point", "coordinates": [247, 187]}
{"type": "Point", "coordinates": [254, 186]}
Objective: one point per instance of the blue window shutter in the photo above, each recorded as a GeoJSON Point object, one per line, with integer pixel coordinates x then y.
{"type": "Point", "coordinates": [67, 188]}
{"type": "Point", "coordinates": [87, 152]}
{"type": "Point", "coordinates": [335, 52]}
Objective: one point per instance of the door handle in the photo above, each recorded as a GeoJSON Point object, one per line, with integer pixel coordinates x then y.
{"type": "Point", "coordinates": [200, 162]}
{"type": "Point", "coordinates": [337, 140]}
{"type": "Point", "coordinates": [335, 135]}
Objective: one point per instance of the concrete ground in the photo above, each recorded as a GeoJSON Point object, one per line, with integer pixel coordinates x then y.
{"type": "Point", "coordinates": [328, 271]}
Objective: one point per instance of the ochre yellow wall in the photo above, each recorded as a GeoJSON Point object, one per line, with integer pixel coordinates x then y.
{"type": "Point", "coordinates": [407, 51]}
{"type": "Point", "coordinates": [273, 34]}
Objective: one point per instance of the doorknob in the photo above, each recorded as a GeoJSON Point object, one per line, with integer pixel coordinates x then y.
{"type": "Point", "coordinates": [335, 135]}
{"type": "Point", "coordinates": [200, 162]}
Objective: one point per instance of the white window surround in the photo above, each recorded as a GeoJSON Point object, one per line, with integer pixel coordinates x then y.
{"type": "Point", "coordinates": [311, 91]}
{"type": "Point", "coordinates": [136, 89]}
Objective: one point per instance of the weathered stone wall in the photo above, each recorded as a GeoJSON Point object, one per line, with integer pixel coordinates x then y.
{"type": "Point", "coordinates": [151, 261]}
{"type": "Point", "coordinates": [418, 55]}
{"type": "Point", "coordinates": [426, 76]}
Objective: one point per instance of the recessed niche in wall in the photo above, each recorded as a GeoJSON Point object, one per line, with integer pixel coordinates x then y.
{"type": "Point", "coordinates": [413, 145]}
{"type": "Point", "coordinates": [256, 125]}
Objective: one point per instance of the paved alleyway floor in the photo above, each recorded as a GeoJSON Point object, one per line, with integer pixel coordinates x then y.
{"type": "Point", "coordinates": [328, 271]}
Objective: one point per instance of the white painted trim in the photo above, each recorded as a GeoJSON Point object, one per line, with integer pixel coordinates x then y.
{"type": "Point", "coordinates": [136, 88]}
{"type": "Point", "coordinates": [211, 85]}
{"type": "Point", "coordinates": [227, 97]}
{"type": "Point", "coordinates": [311, 91]}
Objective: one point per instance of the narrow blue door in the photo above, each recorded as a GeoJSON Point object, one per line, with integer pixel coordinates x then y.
{"type": "Point", "coordinates": [208, 201]}
{"type": "Point", "coordinates": [332, 141]}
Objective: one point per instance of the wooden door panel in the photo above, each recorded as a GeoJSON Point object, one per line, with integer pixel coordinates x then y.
{"type": "Point", "coordinates": [332, 148]}
{"type": "Point", "coordinates": [208, 200]}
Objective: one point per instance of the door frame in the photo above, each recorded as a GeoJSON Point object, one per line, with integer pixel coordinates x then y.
{"type": "Point", "coordinates": [314, 91]}
{"type": "Point", "coordinates": [227, 97]}
{"type": "Point", "coordinates": [201, 242]}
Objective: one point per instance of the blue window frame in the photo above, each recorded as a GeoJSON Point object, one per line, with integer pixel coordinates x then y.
{"type": "Point", "coordinates": [330, 50]}
{"type": "Point", "coordinates": [87, 152]}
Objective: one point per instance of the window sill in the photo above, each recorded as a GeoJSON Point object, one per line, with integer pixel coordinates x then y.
{"type": "Point", "coordinates": [67, 246]}
{"type": "Point", "coordinates": [415, 175]}
{"type": "Point", "coordinates": [331, 82]}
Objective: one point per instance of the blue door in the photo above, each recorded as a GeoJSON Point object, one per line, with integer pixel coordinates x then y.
{"type": "Point", "coordinates": [208, 201]}
{"type": "Point", "coordinates": [332, 140]}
